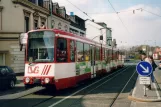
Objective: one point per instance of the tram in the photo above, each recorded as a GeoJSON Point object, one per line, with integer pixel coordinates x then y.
{"type": "Point", "coordinates": [60, 59]}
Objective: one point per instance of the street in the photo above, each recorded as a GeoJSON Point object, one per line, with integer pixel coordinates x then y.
{"type": "Point", "coordinates": [110, 91]}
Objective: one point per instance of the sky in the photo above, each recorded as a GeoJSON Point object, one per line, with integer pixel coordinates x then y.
{"type": "Point", "coordinates": [137, 29]}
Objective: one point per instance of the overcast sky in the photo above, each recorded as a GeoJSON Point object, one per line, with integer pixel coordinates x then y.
{"type": "Point", "coordinates": [143, 27]}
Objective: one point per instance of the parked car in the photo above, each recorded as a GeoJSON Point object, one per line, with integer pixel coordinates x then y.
{"type": "Point", "coordinates": [7, 77]}
{"type": "Point", "coordinates": [159, 66]}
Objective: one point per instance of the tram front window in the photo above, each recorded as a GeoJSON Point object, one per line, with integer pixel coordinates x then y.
{"type": "Point", "coordinates": [40, 46]}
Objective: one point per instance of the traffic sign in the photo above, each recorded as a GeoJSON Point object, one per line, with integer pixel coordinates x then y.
{"type": "Point", "coordinates": [145, 80]}
{"type": "Point", "coordinates": [144, 68]}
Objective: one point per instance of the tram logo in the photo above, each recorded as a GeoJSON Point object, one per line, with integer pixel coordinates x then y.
{"type": "Point", "coordinates": [46, 70]}
{"type": "Point", "coordinates": [33, 70]}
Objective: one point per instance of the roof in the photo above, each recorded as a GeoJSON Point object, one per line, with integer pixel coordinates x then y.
{"type": "Point", "coordinates": [62, 7]}
{"type": "Point", "coordinates": [57, 31]}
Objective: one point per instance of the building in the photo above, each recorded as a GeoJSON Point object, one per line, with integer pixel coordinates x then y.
{"type": "Point", "coordinates": [17, 16]}
{"type": "Point", "coordinates": [77, 25]}
{"type": "Point", "coordinates": [59, 19]}
{"type": "Point", "coordinates": [95, 29]}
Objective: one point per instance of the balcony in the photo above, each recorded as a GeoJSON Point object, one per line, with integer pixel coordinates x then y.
{"type": "Point", "coordinates": [32, 4]}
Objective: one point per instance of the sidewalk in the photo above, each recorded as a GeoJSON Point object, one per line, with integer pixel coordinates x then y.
{"type": "Point", "coordinates": [153, 98]}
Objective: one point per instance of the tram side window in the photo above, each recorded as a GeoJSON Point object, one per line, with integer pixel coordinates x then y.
{"type": "Point", "coordinates": [80, 54]}
{"type": "Point", "coordinates": [61, 55]}
{"type": "Point", "coordinates": [87, 52]}
{"type": "Point", "coordinates": [97, 53]}
{"type": "Point", "coordinates": [72, 51]}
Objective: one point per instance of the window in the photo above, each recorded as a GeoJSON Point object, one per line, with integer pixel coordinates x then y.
{"type": "Point", "coordinates": [40, 3]}
{"type": "Point", "coordinates": [2, 59]}
{"type": "Point", "coordinates": [40, 46]}
{"type": "Point", "coordinates": [59, 26]}
{"type": "Point", "coordinates": [53, 23]}
{"type": "Point", "coordinates": [87, 52]}
{"type": "Point", "coordinates": [80, 54]}
{"type": "Point", "coordinates": [3, 70]}
{"type": "Point", "coordinates": [61, 55]}
{"type": "Point", "coordinates": [26, 24]}
{"type": "Point", "coordinates": [36, 24]}
{"type": "Point", "coordinates": [72, 51]}
{"type": "Point", "coordinates": [33, 1]}
{"type": "Point", "coordinates": [57, 11]}
{"type": "Point", "coordinates": [97, 53]}
{"type": "Point", "coordinates": [9, 70]}
{"type": "Point", "coordinates": [43, 20]}
{"type": "Point", "coordinates": [66, 28]}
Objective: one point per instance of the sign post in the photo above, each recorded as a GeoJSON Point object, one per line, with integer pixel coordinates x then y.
{"type": "Point", "coordinates": [144, 69]}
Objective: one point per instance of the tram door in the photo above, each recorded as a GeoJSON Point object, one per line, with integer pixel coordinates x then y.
{"type": "Point", "coordinates": [92, 54]}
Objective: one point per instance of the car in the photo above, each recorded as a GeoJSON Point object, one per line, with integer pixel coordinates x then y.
{"type": "Point", "coordinates": [7, 78]}
{"type": "Point", "coordinates": [159, 65]}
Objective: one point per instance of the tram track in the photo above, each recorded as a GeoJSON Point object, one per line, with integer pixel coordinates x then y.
{"type": "Point", "coordinates": [117, 95]}
{"type": "Point", "coordinates": [90, 90]}
{"type": "Point", "coordinates": [48, 97]}
{"type": "Point", "coordinates": [82, 88]}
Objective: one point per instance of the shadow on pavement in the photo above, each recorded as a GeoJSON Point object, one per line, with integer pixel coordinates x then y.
{"type": "Point", "coordinates": [102, 96]}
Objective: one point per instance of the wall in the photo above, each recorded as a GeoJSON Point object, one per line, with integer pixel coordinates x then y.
{"type": "Point", "coordinates": [12, 25]}
{"type": "Point", "coordinates": [58, 20]}
{"type": "Point", "coordinates": [92, 30]}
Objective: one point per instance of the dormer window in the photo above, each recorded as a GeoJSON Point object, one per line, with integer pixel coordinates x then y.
{"type": "Point", "coordinates": [37, 2]}
{"type": "Point", "coordinates": [57, 11]}
{"type": "Point", "coordinates": [62, 11]}
{"type": "Point", "coordinates": [33, 1]}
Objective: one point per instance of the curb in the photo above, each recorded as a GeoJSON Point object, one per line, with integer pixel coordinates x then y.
{"type": "Point", "coordinates": [130, 97]}
{"type": "Point", "coordinates": [143, 100]}
{"type": "Point", "coordinates": [20, 74]}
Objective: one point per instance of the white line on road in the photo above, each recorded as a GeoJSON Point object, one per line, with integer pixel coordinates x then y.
{"type": "Point", "coordinates": [135, 87]}
{"type": "Point", "coordinates": [128, 82]}
{"type": "Point", "coordinates": [156, 91]}
{"type": "Point", "coordinates": [54, 104]}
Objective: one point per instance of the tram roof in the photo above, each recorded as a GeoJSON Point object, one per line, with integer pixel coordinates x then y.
{"type": "Point", "coordinates": [57, 31]}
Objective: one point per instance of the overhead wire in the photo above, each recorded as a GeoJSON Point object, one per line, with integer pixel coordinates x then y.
{"type": "Point", "coordinates": [85, 14]}
{"type": "Point", "coordinates": [151, 12]}
{"type": "Point", "coordinates": [79, 9]}
{"type": "Point", "coordinates": [116, 12]}
{"type": "Point", "coordinates": [119, 16]}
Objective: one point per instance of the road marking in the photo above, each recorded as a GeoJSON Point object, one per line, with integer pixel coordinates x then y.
{"type": "Point", "coordinates": [128, 82]}
{"type": "Point", "coordinates": [156, 91]}
{"type": "Point", "coordinates": [135, 87]}
{"type": "Point", "coordinates": [54, 104]}
{"type": "Point", "coordinates": [113, 102]}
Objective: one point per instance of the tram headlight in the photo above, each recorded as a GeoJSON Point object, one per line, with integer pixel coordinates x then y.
{"type": "Point", "coordinates": [27, 80]}
{"type": "Point", "coordinates": [47, 80]}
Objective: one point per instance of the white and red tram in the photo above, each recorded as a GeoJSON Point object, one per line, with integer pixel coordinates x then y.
{"type": "Point", "coordinates": [61, 59]}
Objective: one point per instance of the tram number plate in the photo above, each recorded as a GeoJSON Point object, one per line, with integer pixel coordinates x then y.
{"type": "Point", "coordinates": [145, 80]}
